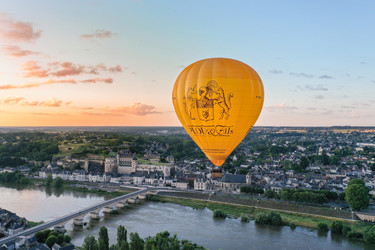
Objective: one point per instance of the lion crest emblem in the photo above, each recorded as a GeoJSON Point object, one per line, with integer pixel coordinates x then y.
{"type": "Point", "coordinates": [200, 104]}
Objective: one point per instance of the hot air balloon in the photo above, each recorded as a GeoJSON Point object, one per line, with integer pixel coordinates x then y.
{"type": "Point", "coordinates": [218, 100]}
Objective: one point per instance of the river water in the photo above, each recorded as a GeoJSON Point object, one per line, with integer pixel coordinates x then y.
{"type": "Point", "coordinates": [149, 218]}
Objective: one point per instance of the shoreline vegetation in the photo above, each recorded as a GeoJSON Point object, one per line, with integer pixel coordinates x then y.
{"type": "Point", "coordinates": [58, 185]}
{"type": "Point", "coordinates": [354, 230]}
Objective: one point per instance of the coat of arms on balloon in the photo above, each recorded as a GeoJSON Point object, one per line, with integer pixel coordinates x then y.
{"type": "Point", "coordinates": [201, 103]}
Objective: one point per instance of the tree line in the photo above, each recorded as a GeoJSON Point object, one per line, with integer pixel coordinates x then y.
{"type": "Point", "coordinates": [162, 240]}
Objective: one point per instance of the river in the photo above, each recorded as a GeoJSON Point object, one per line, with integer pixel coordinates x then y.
{"type": "Point", "coordinates": [149, 218]}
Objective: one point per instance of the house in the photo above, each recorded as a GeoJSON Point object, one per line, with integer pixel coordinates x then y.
{"type": "Point", "coordinates": [58, 247]}
{"type": "Point", "coordinates": [232, 182]}
{"type": "Point", "coordinates": [182, 183]}
{"type": "Point", "coordinates": [202, 183]}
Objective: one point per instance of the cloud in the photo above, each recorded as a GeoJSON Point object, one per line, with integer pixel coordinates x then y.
{"type": "Point", "coordinates": [326, 77]}
{"type": "Point", "coordinates": [363, 62]}
{"type": "Point", "coordinates": [137, 109]}
{"type": "Point", "coordinates": [52, 81]}
{"type": "Point", "coordinates": [319, 97]}
{"type": "Point", "coordinates": [68, 69]}
{"type": "Point", "coordinates": [63, 69]}
{"type": "Point", "coordinates": [115, 69]}
{"type": "Point", "coordinates": [50, 114]}
{"type": "Point", "coordinates": [12, 100]}
{"type": "Point", "coordinates": [281, 107]}
{"type": "Point", "coordinates": [310, 87]}
{"type": "Point", "coordinates": [100, 34]}
{"type": "Point", "coordinates": [373, 81]}
{"type": "Point", "coordinates": [17, 31]}
{"type": "Point", "coordinates": [33, 85]}
{"type": "Point", "coordinates": [276, 71]}
{"type": "Point", "coordinates": [301, 75]}
{"type": "Point", "coordinates": [16, 51]}
{"type": "Point", "coordinates": [95, 80]}
{"type": "Point", "coordinates": [32, 69]}
{"type": "Point", "coordinates": [53, 102]}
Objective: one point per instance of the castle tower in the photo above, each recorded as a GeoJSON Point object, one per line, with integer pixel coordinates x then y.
{"type": "Point", "coordinates": [110, 165]}
{"type": "Point", "coordinates": [248, 178]}
{"type": "Point", "coordinates": [134, 164]}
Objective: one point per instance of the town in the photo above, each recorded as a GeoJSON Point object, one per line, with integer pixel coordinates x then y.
{"type": "Point", "coordinates": [268, 158]}
{"type": "Point", "coordinates": [269, 163]}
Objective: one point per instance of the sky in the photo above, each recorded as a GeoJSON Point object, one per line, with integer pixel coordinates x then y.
{"type": "Point", "coordinates": [114, 63]}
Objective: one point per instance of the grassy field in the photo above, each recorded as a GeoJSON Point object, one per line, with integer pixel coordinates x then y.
{"type": "Point", "coordinates": [71, 148]}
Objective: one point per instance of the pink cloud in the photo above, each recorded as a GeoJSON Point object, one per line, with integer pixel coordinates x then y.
{"type": "Point", "coordinates": [53, 102]}
{"type": "Point", "coordinates": [32, 69]}
{"type": "Point", "coordinates": [33, 85]}
{"type": "Point", "coordinates": [12, 100]}
{"type": "Point", "coordinates": [95, 80]}
{"type": "Point", "coordinates": [14, 50]}
{"type": "Point", "coordinates": [115, 69]}
{"type": "Point", "coordinates": [68, 69]}
{"type": "Point", "coordinates": [13, 30]}
{"type": "Point", "coordinates": [281, 107]}
{"type": "Point", "coordinates": [137, 109]}
{"type": "Point", "coordinates": [101, 34]}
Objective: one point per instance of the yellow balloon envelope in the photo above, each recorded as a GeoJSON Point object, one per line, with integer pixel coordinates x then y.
{"type": "Point", "coordinates": [218, 100]}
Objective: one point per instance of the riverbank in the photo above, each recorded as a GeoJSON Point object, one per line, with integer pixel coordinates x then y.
{"type": "Point", "coordinates": [238, 210]}
{"type": "Point", "coordinates": [93, 188]}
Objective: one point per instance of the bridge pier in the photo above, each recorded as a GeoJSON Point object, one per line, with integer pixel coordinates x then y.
{"type": "Point", "coordinates": [133, 200]}
{"type": "Point", "coordinates": [107, 210]}
{"type": "Point", "coordinates": [121, 204]}
{"type": "Point", "coordinates": [59, 228]}
{"type": "Point", "coordinates": [94, 215]}
{"type": "Point", "coordinates": [142, 197]}
{"type": "Point", "coordinates": [78, 222]}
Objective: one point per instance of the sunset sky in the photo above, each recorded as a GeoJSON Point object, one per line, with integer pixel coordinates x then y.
{"type": "Point", "coordinates": [114, 63]}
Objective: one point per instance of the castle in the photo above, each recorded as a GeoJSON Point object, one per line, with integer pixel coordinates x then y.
{"type": "Point", "coordinates": [126, 162]}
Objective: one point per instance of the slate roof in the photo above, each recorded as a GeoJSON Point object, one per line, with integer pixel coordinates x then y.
{"type": "Point", "coordinates": [234, 178]}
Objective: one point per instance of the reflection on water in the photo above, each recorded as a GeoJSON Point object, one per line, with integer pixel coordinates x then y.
{"type": "Point", "coordinates": [39, 203]}
{"type": "Point", "coordinates": [149, 218]}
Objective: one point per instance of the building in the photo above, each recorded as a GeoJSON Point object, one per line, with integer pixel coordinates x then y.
{"type": "Point", "coordinates": [232, 182]}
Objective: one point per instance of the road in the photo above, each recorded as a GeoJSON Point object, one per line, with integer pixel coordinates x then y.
{"type": "Point", "coordinates": [59, 220]}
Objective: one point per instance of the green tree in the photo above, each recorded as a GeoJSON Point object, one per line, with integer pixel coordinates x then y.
{"type": "Point", "coordinates": [103, 239]}
{"type": "Point", "coordinates": [49, 180]}
{"type": "Point", "coordinates": [51, 240]}
{"type": "Point", "coordinates": [121, 234]}
{"type": "Point", "coordinates": [336, 227]}
{"type": "Point", "coordinates": [304, 163]}
{"type": "Point", "coordinates": [325, 158]}
{"type": "Point", "coordinates": [219, 214]}
{"type": "Point", "coordinates": [270, 194]}
{"type": "Point", "coordinates": [323, 227]}
{"type": "Point", "coordinates": [60, 239]}
{"type": "Point", "coordinates": [90, 243]}
{"type": "Point", "coordinates": [124, 245]}
{"type": "Point", "coordinates": [136, 242]}
{"type": "Point", "coordinates": [40, 237]}
{"type": "Point", "coordinates": [67, 238]}
{"type": "Point", "coordinates": [58, 182]}
{"type": "Point", "coordinates": [346, 230]}
{"type": "Point", "coordinates": [46, 234]}
{"type": "Point", "coordinates": [357, 195]}
{"type": "Point", "coordinates": [356, 181]}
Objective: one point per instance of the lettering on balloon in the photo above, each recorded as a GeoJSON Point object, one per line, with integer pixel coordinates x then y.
{"type": "Point", "coordinates": [217, 130]}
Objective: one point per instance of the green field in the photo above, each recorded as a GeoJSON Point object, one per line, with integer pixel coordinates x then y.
{"type": "Point", "coordinates": [71, 148]}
